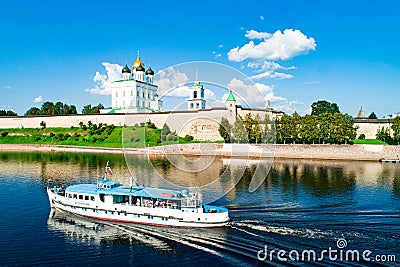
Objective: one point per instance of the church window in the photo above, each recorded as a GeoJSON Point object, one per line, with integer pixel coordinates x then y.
{"type": "Point", "coordinates": [191, 105]}
{"type": "Point", "coordinates": [137, 104]}
{"type": "Point", "coordinates": [137, 93]}
{"type": "Point", "coordinates": [202, 93]}
{"type": "Point", "coordinates": [231, 105]}
{"type": "Point", "coordinates": [123, 103]}
{"type": "Point", "coordinates": [123, 93]}
{"type": "Point", "coordinates": [116, 94]}
{"type": "Point", "coordinates": [197, 105]}
{"type": "Point", "coordinates": [148, 95]}
{"type": "Point", "coordinates": [131, 93]}
{"type": "Point", "coordinates": [195, 94]}
{"type": "Point", "coordinates": [143, 94]}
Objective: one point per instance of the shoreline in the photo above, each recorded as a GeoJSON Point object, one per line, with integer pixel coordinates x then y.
{"type": "Point", "coordinates": [291, 151]}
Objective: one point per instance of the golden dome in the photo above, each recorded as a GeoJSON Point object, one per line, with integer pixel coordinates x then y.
{"type": "Point", "coordinates": [138, 62]}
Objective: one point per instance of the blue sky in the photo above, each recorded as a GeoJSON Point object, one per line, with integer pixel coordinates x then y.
{"type": "Point", "coordinates": [51, 50]}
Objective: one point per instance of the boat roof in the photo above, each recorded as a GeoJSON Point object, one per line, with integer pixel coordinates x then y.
{"type": "Point", "coordinates": [125, 190]}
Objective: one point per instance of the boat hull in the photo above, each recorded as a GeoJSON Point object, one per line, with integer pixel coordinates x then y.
{"type": "Point", "coordinates": [139, 215]}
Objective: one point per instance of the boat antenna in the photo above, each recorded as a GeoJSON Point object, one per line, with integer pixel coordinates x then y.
{"type": "Point", "coordinates": [105, 174]}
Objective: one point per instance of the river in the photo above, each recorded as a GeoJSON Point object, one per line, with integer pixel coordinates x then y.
{"type": "Point", "coordinates": [302, 207]}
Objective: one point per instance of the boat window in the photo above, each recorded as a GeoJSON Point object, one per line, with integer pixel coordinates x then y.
{"type": "Point", "coordinates": [92, 198]}
{"type": "Point", "coordinates": [80, 197]}
{"type": "Point", "coordinates": [75, 196]}
{"type": "Point", "coordinates": [102, 197]}
{"type": "Point", "coordinates": [86, 197]}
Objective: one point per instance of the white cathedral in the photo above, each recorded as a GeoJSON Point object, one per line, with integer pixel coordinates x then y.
{"type": "Point", "coordinates": [136, 92]}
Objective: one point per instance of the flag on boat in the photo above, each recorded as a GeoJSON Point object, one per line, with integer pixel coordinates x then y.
{"type": "Point", "coordinates": [110, 171]}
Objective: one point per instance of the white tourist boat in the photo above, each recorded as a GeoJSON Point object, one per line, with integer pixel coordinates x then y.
{"type": "Point", "coordinates": [112, 201]}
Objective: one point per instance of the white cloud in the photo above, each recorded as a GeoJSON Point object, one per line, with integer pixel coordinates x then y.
{"type": "Point", "coordinates": [38, 99]}
{"type": "Point", "coordinates": [172, 82]}
{"type": "Point", "coordinates": [307, 83]}
{"type": "Point", "coordinates": [242, 28]}
{"type": "Point", "coordinates": [9, 87]}
{"type": "Point", "coordinates": [221, 46]}
{"type": "Point", "coordinates": [217, 55]}
{"type": "Point", "coordinates": [103, 81]}
{"type": "Point", "coordinates": [276, 46]}
{"type": "Point", "coordinates": [252, 34]}
{"type": "Point", "coordinates": [253, 95]}
{"type": "Point", "coordinates": [257, 95]}
{"type": "Point", "coordinates": [268, 65]}
{"type": "Point", "coordinates": [287, 106]}
{"type": "Point", "coordinates": [267, 70]}
{"type": "Point", "coordinates": [262, 18]}
{"type": "Point", "coordinates": [271, 75]}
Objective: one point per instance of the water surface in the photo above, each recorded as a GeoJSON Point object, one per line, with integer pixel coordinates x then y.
{"type": "Point", "coordinates": [301, 205]}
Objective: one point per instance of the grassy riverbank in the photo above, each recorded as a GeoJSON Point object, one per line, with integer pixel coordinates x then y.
{"type": "Point", "coordinates": [92, 135]}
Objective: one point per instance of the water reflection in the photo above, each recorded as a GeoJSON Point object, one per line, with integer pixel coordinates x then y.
{"type": "Point", "coordinates": [318, 178]}
{"type": "Point", "coordinates": [85, 230]}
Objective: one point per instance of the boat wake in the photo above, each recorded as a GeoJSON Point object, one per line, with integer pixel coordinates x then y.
{"type": "Point", "coordinates": [241, 239]}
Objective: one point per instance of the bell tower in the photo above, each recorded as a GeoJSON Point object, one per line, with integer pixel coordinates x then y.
{"type": "Point", "coordinates": [196, 99]}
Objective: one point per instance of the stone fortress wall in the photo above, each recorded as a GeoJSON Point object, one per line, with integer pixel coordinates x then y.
{"type": "Point", "coordinates": [201, 124]}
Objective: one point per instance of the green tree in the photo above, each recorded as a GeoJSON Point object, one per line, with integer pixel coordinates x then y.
{"type": "Point", "coordinates": [396, 129]}
{"type": "Point", "coordinates": [33, 111]}
{"type": "Point", "coordinates": [296, 125]}
{"type": "Point", "coordinates": [285, 128]}
{"type": "Point", "coordinates": [324, 124]}
{"type": "Point", "coordinates": [7, 113]}
{"type": "Point", "coordinates": [96, 109]}
{"type": "Point", "coordinates": [383, 134]}
{"type": "Point", "coordinates": [58, 108]}
{"type": "Point", "coordinates": [248, 123]}
{"type": "Point", "coordinates": [48, 108]}
{"type": "Point", "coordinates": [372, 116]}
{"type": "Point", "coordinates": [255, 134]}
{"type": "Point", "coordinates": [309, 128]}
{"type": "Point", "coordinates": [324, 106]}
{"type": "Point", "coordinates": [87, 109]}
{"type": "Point", "coordinates": [269, 130]}
{"type": "Point", "coordinates": [165, 131]}
{"type": "Point", "coordinates": [70, 109]}
{"type": "Point", "coordinates": [239, 130]}
{"type": "Point", "coordinates": [225, 129]}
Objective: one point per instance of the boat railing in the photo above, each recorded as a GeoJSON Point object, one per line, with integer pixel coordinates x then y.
{"type": "Point", "coordinates": [56, 188]}
{"type": "Point", "coordinates": [193, 200]}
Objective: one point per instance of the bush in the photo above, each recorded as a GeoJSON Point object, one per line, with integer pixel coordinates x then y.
{"type": "Point", "coordinates": [172, 137]}
{"type": "Point", "coordinates": [362, 137]}
{"type": "Point", "coordinates": [52, 134]}
{"type": "Point", "coordinates": [188, 138]}
{"type": "Point", "coordinates": [4, 134]}
{"type": "Point", "coordinates": [60, 136]}
{"type": "Point", "coordinates": [43, 124]}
